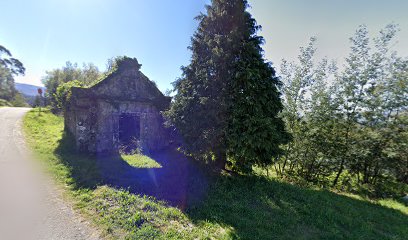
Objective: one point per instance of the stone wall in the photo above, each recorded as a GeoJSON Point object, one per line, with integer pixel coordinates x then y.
{"type": "Point", "coordinates": [96, 129]}
{"type": "Point", "coordinates": [92, 115]}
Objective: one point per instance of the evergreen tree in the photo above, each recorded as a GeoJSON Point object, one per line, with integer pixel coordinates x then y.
{"type": "Point", "coordinates": [227, 100]}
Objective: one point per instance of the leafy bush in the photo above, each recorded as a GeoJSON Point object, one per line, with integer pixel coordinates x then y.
{"type": "Point", "coordinates": [64, 92]}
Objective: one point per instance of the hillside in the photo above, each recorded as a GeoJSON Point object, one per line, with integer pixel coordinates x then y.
{"type": "Point", "coordinates": [27, 89]}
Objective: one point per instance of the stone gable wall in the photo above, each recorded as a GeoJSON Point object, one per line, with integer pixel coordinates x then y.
{"type": "Point", "coordinates": [92, 115]}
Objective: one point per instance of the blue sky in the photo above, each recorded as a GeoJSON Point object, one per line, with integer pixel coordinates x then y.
{"type": "Point", "coordinates": [44, 34]}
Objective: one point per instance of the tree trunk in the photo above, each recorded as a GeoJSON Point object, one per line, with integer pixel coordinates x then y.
{"type": "Point", "coordinates": [339, 173]}
{"type": "Point", "coordinates": [220, 159]}
{"type": "Point", "coordinates": [286, 158]}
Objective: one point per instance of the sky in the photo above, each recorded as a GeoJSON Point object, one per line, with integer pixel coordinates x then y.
{"type": "Point", "coordinates": [44, 34]}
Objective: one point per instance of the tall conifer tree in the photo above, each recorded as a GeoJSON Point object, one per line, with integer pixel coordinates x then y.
{"type": "Point", "coordinates": [227, 101]}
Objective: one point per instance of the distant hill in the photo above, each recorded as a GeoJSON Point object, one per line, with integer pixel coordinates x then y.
{"type": "Point", "coordinates": [27, 89]}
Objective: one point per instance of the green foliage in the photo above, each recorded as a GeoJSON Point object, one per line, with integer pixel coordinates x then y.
{"type": "Point", "coordinates": [86, 75]}
{"type": "Point", "coordinates": [308, 114]}
{"type": "Point", "coordinates": [59, 81]}
{"type": "Point", "coordinates": [7, 89]}
{"type": "Point", "coordinates": [226, 102]}
{"type": "Point", "coordinates": [19, 101]}
{"type": "Point", "coordinates": [13, 65]}
{"type": "Point", "coordinates": [348, 125]}
{"type": "Point", "coordinates": [64, 92]}
{"type": "Point", "coordinates": [4, 103]}
{"type": "Point", "coordinates": [10, 67]}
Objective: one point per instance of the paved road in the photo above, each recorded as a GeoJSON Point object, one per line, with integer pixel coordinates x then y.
{"type": "Point", "coordinates": [31, 207]}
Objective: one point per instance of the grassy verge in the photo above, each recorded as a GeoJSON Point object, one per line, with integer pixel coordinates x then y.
{"type": "Point", "coordinates": [236, 207]}
{"type": "Point", "coordinates": [118, 213]}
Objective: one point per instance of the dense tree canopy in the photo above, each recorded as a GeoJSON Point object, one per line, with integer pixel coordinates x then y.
{"type": "Point", "coordinates": [86, 75]}
{"type": "Point", "coordinates": [60, 81]}
{"type": "Point", "coordinates": [348, 126]}
{"type": "Point", "coordinates": [227, 101]}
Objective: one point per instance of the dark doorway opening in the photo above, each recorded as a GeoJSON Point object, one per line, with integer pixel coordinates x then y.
{"type": "Point", "coordinates": [129, 132]}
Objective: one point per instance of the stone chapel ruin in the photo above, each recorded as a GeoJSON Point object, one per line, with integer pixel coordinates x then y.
{"type": "Point", "coordinates": [122, 109]}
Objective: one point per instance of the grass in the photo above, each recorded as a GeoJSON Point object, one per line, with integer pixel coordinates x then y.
{"type": "Point", "coordinates": [235, 207]}
{"type": "Point", "coordinates": [140, 161]}
{"type": "Point", "coordinates": [116, 212]}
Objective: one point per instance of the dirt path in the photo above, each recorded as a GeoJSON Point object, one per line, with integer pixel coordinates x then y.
{"type": "Point", "coordinates": [31, 207]}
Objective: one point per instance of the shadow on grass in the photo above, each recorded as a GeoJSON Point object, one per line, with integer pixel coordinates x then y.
{"type": "Point", "coordinates": [258, 208]}
{"type": "Point", "coordinates": [179, 181]}
{"type": "Point", "coordinates": [254, 207]}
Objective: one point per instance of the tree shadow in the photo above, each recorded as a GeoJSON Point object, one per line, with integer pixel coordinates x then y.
{"type": "Point", "coordinates": [180, 181]}
{"type": "Point", "coordinates": [253, 207]}
{"type": "Point", "coordinates": [259, 208]}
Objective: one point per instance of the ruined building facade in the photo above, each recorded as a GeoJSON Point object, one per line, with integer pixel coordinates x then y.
{"type": "Point", "coordinates": [122, 109]}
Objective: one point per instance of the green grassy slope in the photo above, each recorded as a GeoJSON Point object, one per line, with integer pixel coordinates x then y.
{"type": "Point", "coordinates": [236, 207]}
